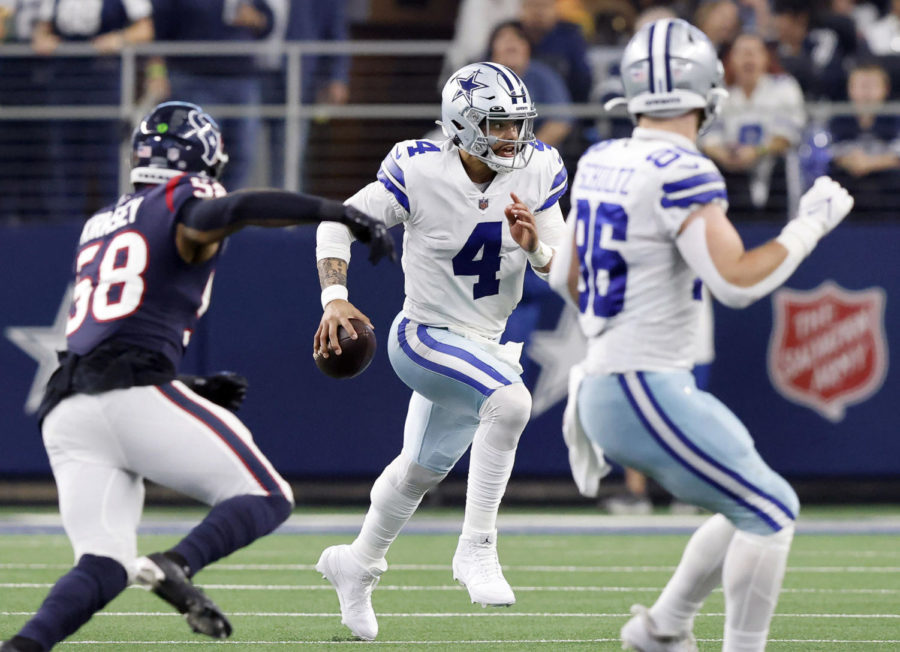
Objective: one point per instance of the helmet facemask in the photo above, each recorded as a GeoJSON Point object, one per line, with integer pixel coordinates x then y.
{"type": "Point", "coordinates": [493, 127]}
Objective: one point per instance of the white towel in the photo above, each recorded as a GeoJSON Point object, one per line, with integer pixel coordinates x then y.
{"type": "Point", "coordinates": [585, 457]}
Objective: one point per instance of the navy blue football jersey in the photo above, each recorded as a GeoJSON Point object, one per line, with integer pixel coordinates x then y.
{"type": "Point", "coordinates": [131, 284]}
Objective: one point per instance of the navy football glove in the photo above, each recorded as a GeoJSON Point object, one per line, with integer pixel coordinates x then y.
{"type": "Point", "coordinates": [372, 232]}
{"type": "Point", "coordinates": [225, 388]}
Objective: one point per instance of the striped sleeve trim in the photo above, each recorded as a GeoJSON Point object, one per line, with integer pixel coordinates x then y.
{"type": "Point", "coordinates": [391, 176]}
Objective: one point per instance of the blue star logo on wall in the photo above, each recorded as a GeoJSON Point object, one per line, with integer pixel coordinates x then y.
{"type": "Point", "coordinates": [467, 86]}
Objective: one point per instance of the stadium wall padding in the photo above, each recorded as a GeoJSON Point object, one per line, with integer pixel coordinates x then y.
{"type": "Point", "coordinates": [265, 310]}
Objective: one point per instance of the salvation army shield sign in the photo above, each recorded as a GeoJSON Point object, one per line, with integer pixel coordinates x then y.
{"type": "Point", "coordinates": [828, 348]}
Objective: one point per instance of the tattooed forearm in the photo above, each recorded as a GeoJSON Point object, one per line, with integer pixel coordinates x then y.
{"type": "Point", "coordinates": [332, 271]}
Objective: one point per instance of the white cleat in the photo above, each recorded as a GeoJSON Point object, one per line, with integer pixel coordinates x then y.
{"type": "Point", "coordinates": [640, 634]}
{"type": "Point", "coordinates": [353, 583]}
{"type": "Point", "coordinates": [476, 567]}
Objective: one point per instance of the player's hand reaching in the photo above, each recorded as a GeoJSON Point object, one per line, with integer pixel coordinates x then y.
{"type": "Point", "coordinates": [821, 209]}
{"type": "Point", "coordinates": [225, 388]}
{"type": "Point", "coordinates": [338, 312]}
{"type": "Point", "coordinates": [521, 224]}
{"type": "Point", "coordinates": [372, 232]}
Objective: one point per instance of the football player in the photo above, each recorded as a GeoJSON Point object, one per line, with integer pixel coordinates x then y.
{"type": "Point", "coordinates": [114, 412]}
{"type": "Point", "coordinates": [477, 209]}
{"type": "Point", "coordinates": [648, 218]}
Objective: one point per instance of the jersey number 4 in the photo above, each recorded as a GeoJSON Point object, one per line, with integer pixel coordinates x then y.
{"type": "Point", "coordinates": [116, 289]}
{"type": "Point", "coordinates": [603, 270]}
{"type": "Point", "coordinates": [486, 239]}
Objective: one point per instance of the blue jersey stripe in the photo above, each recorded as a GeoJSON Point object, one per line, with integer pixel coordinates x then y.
{"type": "Point", "coordinates": [395, 170]}
{"type": "Point", "coordinates": [700, 198]}
{"type": "Point", "coordinates": [230, 437]}
{"type": "Point", "coordinates": [433, 366]}
{"type": "Point", "coordinates": [394, 189]}
{"type": "Point", "coordinates": [692, 182]}
{"type": "Point", "coordinates": [561, 177]}
{"type": "Point", "coordinates": [552, 199]}
{"type": "Point", "coordinates": [697, 290]}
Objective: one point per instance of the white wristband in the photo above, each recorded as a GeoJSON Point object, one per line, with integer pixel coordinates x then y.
{"type": "Point", "coordinates": [541, 256]}
{"type": "Point", "coordinates": [800, 236]}
{"type": "Point", "coordinates": [333, 292]}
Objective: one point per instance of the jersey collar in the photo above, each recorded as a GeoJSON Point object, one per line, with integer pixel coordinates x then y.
{"type": "Point", "coordinates": [643, 133]}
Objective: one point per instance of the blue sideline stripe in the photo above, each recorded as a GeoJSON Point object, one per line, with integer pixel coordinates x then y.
{"type": "Point", "coordinates": [692, 182]}
{"type": "Point", "coordinates": [554, 197]}
{"type": "Point", "coordinates": [437, 368]}
{"type": "Point", "coordinates": [701, 198]}
{"type": "Point", "coordinates": [240, 448]}
{"type": "Point", "coordinates": [637, 410]}
{"type": "Point", "coordinates": [393, 188]}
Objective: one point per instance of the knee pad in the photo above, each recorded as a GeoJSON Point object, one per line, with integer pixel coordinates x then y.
{"type": "Point", "coordinates": [507, 411]}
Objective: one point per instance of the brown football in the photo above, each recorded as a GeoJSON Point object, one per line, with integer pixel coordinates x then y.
{"type": "Point", "coordinates": [355, 354]}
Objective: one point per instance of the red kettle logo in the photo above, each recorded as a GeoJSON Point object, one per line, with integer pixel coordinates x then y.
{"type": "Point", "coordinates": [828, 348]}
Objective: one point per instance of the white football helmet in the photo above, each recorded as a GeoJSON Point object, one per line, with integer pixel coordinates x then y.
{"type": "Point", "coordinates": [478, 94]}
{"type": "Point", "coordinates": [668, 68]}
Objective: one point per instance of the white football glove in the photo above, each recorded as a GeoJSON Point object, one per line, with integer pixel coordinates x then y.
{"type": "Point", "coordinates": [822, 208]}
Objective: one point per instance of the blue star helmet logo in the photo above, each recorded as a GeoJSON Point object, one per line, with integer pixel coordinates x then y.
{"type": "Point", "coordinates": [468, 85]}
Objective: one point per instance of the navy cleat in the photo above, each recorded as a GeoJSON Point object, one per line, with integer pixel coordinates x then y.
{"type": "Point", "coordinates": [167, 579]}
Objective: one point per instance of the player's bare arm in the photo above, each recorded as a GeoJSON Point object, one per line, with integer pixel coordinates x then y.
{"type": "Point", "coordinates": [337, 312]}
{"type": "Point", "coordinates": [523, 229]}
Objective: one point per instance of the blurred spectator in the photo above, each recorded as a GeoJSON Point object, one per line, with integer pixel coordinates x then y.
{"type": "Point", "coordinates": [85, 153]}
{"type": "Point", "coordinates": [816, 47]}
{"type": "Point", "coordinates": [866, 145]}
{"type": "Point", "coordinates": [883, 36]}
{"type": "Point", "coordinates": [475, 21]}
{"type": "Point", "coordinates": [863, 14]}
{"type": "Point", "coordinates": [510, 46]}
{"type": "Point", "coordinates": [559, 44]}
{"type": "Point", "coordinates": [720, 21]}
{"type": "Point", "coordinates": [217, 80]}
{"type": "Point", "coordinates": [613, 20]}
{"type": "Point", "coordinates": [24, 143]}
{"type": "Point", "coordinates": [761, 119]}
{"type": "Point", "coordinates": [755, 16]}
{"type": "Point", "coordinates": [325, 79]}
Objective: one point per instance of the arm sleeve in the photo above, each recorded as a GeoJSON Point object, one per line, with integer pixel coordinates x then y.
{"type": "Point", "coordinates": [695, 250]}
{"type": "Point", "coordinates": [558, 279]}
{"type": "Point", "coordinates": [551, 228]}
{"type": "Point", "coordinates": [260, 208]}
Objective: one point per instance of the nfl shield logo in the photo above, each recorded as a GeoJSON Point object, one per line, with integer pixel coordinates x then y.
{"type": "Point", "coordinates": [828, 348]}
{"type": "Point", "coordinates": [482, 204]}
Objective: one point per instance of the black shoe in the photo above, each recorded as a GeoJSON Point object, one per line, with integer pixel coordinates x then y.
{"type": "Point", "coordinates": [167, 579]}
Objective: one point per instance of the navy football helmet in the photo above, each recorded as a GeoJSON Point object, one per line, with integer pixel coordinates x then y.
{"type": "Point", "coordinates": [174, 138]}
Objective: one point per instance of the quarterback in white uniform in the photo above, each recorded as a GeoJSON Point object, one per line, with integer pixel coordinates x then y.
{"type": "Point", "coordinates": [648, 218]}
{"type": "Point", "coordinates": [476, 210]}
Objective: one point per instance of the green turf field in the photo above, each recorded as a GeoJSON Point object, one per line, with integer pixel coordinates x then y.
{"type": "Point", "coordinates": [842, 592]}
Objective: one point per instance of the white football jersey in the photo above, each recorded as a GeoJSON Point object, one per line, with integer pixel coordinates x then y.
{"type": "Point", "coordinates": [638, 298]}
{"type": "Point", "coordinates": [462, 268]}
